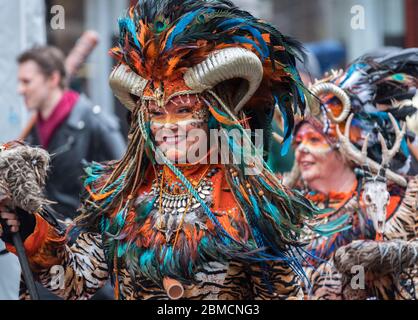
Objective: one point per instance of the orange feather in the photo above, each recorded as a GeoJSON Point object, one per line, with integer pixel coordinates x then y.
{"type": "Point", "coordinates": [143, 32]}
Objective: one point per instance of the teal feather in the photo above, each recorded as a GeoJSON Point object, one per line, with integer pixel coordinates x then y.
{"type": "Point", "coordinates": [180, 26]}
{"type": "Point", "coordinates": [244, 24]}
{"type": "Point", "coordinates": [126, 24]}
{"type": "Point", "coordinates": [239, 39]}
{"type": "Point", "coordinates": [144, 209]}
{"type": "Point", "coordinates": [334, 226]}
{"type": "Point", "coordinates": [120, 218]}
{"type": "Point", "coordinates": [274, 212]}
{"type": "Point", "coordinates": [288, 127]}
{"type": "Point", "coordinates": [122, 249]}
{"type": "Point", "coordinates": [255, 206]}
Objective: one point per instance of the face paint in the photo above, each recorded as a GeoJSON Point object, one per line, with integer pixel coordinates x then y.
{"type": "Point", "coordinates": [177, 122]}
{"type": "Point", "coordinates": [179, 108]}
{"type": "Point", "coordinates": [314, 155]}
{"type": "Point", "coordinates": [171, 125]}
{"type": "Point", "coordinates": [308, 140]}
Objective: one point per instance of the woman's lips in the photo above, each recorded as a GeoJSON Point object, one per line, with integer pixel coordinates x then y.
{"type": "Point", "coordinates": [305, 165]}
{"type": "Point", "coordinates": [173, 140]}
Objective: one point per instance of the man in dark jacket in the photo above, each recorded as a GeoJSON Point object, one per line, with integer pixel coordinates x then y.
{"type": "Point", "coordinates": [68, 126]}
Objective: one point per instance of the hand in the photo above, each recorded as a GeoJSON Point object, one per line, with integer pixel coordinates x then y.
{"type": "Point", "coordinates": [10, 219]}
{"type": "Point", "coordinates": [7, 218]}
{"type": "Point", "coordinates": [10, 222]}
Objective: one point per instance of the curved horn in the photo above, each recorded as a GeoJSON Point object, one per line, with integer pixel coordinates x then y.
{"type": "Point", "coordinates": [124, 83]}
{"type": "Point", "coordinates": [328, 87]}
{"type": "Point", "coordinates": [225, 65]}
{"type": "Point", "coordinates": [357, 156]}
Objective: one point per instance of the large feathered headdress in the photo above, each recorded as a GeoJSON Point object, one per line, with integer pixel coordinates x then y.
{"type": "Point", "coordinates": [174, 47]}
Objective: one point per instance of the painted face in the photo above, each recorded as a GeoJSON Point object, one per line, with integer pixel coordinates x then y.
{"type": "Point", "coordinates": [314, 155]}
{"type": "Point", "coordinates": [33, 85]}
{"type": "Point", "coordinates": [180, 128]}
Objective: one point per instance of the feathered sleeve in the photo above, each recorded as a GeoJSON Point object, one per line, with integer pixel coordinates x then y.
{"type": "Point", "coordinates": [71, 272]}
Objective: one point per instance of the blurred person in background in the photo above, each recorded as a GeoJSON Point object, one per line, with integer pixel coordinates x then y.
{"type": "Point", "coordinates": [68, 126]}
{"type": "Point", "coordinates": [365, 187]}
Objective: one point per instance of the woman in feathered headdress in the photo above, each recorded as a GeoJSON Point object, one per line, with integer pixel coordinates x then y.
{"type": "Point", "coordinates": [174, 217]}
{"type": "Point", "coordinates": [351, 157]}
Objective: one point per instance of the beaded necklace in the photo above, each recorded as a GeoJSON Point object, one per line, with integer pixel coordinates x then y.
{"type": "Point", "coordinates": [177, 206]}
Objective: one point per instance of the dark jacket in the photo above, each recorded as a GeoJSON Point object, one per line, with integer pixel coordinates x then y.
{"type": "Point", "coordinates": [87, 134]}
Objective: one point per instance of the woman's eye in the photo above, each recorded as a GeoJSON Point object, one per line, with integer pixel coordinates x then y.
{"type": "Point", "coordinates": [156, 113]}
{"type": "Point", "coordinates": [315, 140]}
{"type": "Point", "coordinates": [183, 110]}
